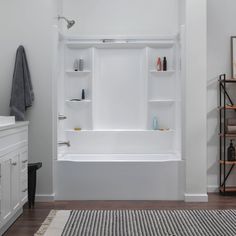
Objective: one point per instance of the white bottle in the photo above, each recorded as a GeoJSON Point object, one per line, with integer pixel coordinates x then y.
{"type": "Point", "coordinates": [76, 65]}
{"type": "Point", "coordinates": [154, 123]}
{"type": "Point", "coordinates": [81, 64]}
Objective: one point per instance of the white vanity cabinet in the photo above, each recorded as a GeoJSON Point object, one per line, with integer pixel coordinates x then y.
{"type": "Point", "coordinates": [13, 172]}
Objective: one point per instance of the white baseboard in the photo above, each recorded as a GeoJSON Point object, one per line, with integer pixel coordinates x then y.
{"type": "Point", "coordinates": [212, 188]}
{"type": "Point", "coordinates": [44, 197]}
{"type": "Point", "coordinates": [195, 197]}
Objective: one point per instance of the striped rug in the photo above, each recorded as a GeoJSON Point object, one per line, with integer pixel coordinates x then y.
{"type": "Point", "coordinates": [150, 223]}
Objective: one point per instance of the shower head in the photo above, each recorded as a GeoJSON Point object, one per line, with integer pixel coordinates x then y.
{"type": "Point", "coordinates": [70, 23]}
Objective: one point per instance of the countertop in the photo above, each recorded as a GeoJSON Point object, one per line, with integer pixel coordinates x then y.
{"type": "Point", "coordinates": [18, 124]}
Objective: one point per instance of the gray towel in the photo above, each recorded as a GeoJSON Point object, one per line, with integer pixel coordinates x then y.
{"type": "Point", "coordinates": [22, 95]}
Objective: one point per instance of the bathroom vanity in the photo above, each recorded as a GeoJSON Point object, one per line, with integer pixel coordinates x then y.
{"type": "Point", "coordinates": [13, 172]}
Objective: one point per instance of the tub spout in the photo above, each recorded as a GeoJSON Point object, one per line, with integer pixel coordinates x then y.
{"type": "Point", "coordinates": [64, 143]}
{"type": "Point", "coordinates": [61, 117]}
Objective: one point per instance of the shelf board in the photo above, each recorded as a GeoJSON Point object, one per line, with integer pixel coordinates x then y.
{"type": "Point", "coordinates": [121, 130]}
{"type": "Point", "coordinates": [77, 102]}
{"type": "Point", "coordinates": [123, 43]}
{"type": "Point", "coordinates": [228, 81]}
{"type": "Point", "coordinates": [161, 100]}
{"type": "Point", "coordinates": [228, 162]}
{"type": "Point", "coordinates": [227, 135]}
{"type": "Point", "coordinates": [229, 107]}
{"type": "Point", "coordinates": [169, 72]}
{"type": "Point", "coordinates": [228, 189]}
{"type": "Point", "coordinates": [71, 72]}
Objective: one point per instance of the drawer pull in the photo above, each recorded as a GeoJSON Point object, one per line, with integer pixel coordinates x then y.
{"type": "Point", "coordinates": [13, 163]}
{"type": "Point", "coordinates": [25, 161]}
{"type": "Point", "coordinates": [23, 191]}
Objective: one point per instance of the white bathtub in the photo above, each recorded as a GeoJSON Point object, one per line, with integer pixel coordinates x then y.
{"type": "Point", "coordinates": [120, 157]}
{"type": "Point", "coordinates": [119, 177]}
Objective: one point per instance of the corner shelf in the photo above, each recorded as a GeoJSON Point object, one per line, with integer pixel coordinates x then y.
{"type": "Point", "coordinates": [169, 72]}
{"type": "Point", "coordinates": [73, 73]}
{"type": "Point", "coordinates": [161, 101]}
{"type": "Point", "coordinates": [78, 102]}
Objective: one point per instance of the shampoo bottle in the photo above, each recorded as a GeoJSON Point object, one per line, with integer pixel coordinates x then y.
{"type": "Point", "coordinates": [159, 67]}
{"type": "Point", "coordinates": [164, 64]}
{"type": "Point", "coordinates": [76, 65]}
{"type": "Point", "coordinates": [83, 94]}
{"type": "Point", "coordinates": [81, 64]}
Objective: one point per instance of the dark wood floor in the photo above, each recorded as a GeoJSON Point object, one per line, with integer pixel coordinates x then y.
{"type": "Point", "coordinates": [31, 219]}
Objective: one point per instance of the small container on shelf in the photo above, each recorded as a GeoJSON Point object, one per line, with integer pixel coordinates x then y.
{"type": "Point", "coordinates": [77, 129]}
{"type": "Point", "coordinates": [83, 94]}
{"type": "Point", "coordinates": [81, 64]}
{"type": "Point", "coordinates": [159, 64]}
{"type": "Point", "coordinates": [164, 64]}
{"type": "Point", "coordinates": [76, 65]}
{"type": "Point", "coordinates": [154, 123]}
{"type": "Point", "coordinates": [231, 151]}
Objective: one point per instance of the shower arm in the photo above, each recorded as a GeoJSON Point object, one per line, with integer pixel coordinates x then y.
{"type": "Point", "coordinates": [62, 17]}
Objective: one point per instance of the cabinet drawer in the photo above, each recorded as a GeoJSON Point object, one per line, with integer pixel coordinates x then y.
{"type": "Point", "coordinates": [12, 137]}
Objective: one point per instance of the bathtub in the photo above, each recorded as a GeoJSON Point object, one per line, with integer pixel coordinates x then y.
{"type": "Point", "coordinates": [119, 177]}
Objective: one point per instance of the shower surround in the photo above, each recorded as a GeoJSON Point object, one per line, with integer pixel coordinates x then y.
{"type": "Point", "coordinates": [114, 154]}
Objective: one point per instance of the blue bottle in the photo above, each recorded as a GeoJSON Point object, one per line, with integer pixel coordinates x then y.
{"type": "Point", "coordinates": [154, 123]}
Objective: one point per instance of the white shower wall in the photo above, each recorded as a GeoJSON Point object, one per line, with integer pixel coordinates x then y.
{"type": "Point", "coordinates": [133, 17]}
{"type": "Point", "coordinates": [123, 93]}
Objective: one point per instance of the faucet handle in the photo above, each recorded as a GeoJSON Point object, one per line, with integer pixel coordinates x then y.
{"type": "Point", "coordinates": [64, 143]}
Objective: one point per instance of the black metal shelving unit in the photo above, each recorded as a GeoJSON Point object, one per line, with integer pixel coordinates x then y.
{"type": "Point", "coordinates": [225, 104]}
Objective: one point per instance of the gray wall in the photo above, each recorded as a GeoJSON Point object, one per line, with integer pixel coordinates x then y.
{"type": "Point", "coordinates": [30, 23]}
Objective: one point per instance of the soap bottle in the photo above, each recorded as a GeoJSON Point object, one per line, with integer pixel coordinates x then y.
{"type": "Point", "coordinates": [154, 123]}
{"type": "Point", "coordinates": [231, 151]}
{"type": "Point", "coordinates": [81, 64]}
{"type": "Point", "coordinates": [164, 64]}
{"type": "Point", "coordinates": [159, 64]}
{"type": "Point", "coordinates": [76, 65]}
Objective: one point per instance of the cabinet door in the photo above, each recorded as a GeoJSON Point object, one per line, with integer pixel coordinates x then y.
{"type": "Point", "coordinates": [6, 208]}
{"type": "Point", "coordinates": [15, 181]}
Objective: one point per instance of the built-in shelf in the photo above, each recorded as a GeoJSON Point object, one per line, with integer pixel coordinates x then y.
{"type": "Point", "coordinates": [161, 101]}
{"type": "Point", "coordinates": [77, 102]}
{"type": "Point", "coordinates": [169, 72]}
{"type": "Point", "coordinates": [122, 130]}
{"type": "Point", "coordinates": [121, 44]}
{"type": "Point", "coordinates": [71, 72]}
